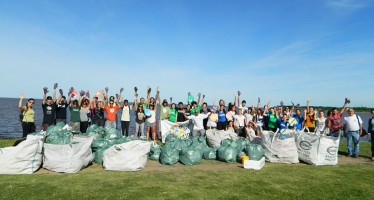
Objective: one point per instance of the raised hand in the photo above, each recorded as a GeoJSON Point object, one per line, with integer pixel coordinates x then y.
{"type": "Point", "coordinates": [199, 95]}
{"type": "Point", "coordinates": [81, 93]}
{"type": "Point", "coordinates": [259, 100]}
{"type": "Point", "coordinates": [55, 85]}
{"type": "Point", "coordinates": [239, 93]}
{"type": "Point", "coordinates": [347, 101]}
{"type": "Point", "coordinates": [106, 90]}
{"type": "Point", "coordinates": [88, 94]}
{"type": "Point", "coordinates": [61, 92]}
{"type": "Point", "coordinates": [281, 103]}
{"type": "Point", "coordinates": [292, 103]}
{"type": "Point", "coordinates": [171, 99]}
{"type": "Point", "coordinates": [121, 90]}
{"type": "Point", "coordinates": [22, 96]}
{"type": "Point", "coordinates": [45, 90]}
{"type": "Point", "coordinates": [308, 100]}
{"type": "Point", "coordinates": [117, 96]}
{"type": "Point", "coordinates": [149, 90]}
{"type": "Point", "coordinates": [189, 93]}
{"type": "Point", "coordinates": [297, 105]}
{"type": "Point", "coordinates": [203, 96]}
{"type": "Point", "coordinates": [136, 89]}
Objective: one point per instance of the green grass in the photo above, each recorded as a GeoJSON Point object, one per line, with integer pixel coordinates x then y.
{"type": "Point", "coordinates": [218, 181]}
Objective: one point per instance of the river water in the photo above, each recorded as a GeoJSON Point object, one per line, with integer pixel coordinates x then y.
{"type": "Point", "coordinates": [10, 127]}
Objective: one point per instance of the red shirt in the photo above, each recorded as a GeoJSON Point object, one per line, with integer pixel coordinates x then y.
{"type": "Point", "coordinates": [335, 122]}
{"type": "Point", "coordinates": [111, 112]}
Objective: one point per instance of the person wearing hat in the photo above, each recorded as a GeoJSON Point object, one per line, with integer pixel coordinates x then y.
{"type": "Point", "coordinates": [164, 112]}
{"type": "Point", "coordinates": [49, 108]}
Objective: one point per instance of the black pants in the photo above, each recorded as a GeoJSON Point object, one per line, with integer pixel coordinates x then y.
{"type": "Point", "coordinates": [84, 126]}
{"type": "Point", "coordinates": [125, 127]}
{"type": "Point", "coordinates": [311, 129]}
{"type": "Point", "coordinates": [221, 125]}
{"type": "Point", "coordinates": [27, 127]}
{"type": "Point", "coordinates": [99, 122]}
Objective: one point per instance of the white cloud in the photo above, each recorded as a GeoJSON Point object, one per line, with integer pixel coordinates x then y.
{"type": "Point", "coordinates": [346, 4]}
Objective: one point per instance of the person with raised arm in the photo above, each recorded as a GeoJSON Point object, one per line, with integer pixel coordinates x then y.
{"type": "Point", "coordinates": [239, 123]}
{"type": "Point", "coordinates": [334, 121]}
{"type": "Point", "coordinates": [164, 110]}
{"type": "Point", "coordinates": [272, 116]}
{"type": "Point", "coordinates": [74, 108]}
{"type": "Point", "coordinates": [49, 108]}
{"type": "Point", "coordinates": [84, 112]}
{"type": "Point", "coordinates": [61, 107]}
{"type": "Point", "coordinates": [28, 116]}
{"type": "Point", "coordinates": [197, 119]}
{"type": "Point", "coordinates": [111, 112]}
{"type": "Point", "coordinates": [321, 123]}
{"type": "Point", "coordinates": [310, 117]}
{"type": "Point", "coordinates": [222, 120]}
{"type": "Point", "coordinates": [125, 116]}
{"type": "Point", "coordinates": [353, 127]}
{"type": "Point", "coordinates": [243, 104]}
{"type": "Point", "coordinates": [151, 122]}
{"type": "Point", "coordinates": [259, 118]}
{"type": "Point", "coordinates": [173, 112]}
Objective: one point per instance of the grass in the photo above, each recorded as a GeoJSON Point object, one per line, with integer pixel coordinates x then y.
{"type": "Point", "coordinates": [209, 180]}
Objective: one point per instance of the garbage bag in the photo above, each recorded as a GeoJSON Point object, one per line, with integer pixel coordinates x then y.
{"type": "Point", "coordinates": [254, 151]}
{"type": "Point", "coordinates": [154, 153]}
{"type": "Point", "coordinates": [228, 151]}
{"type": "Point", "coordinates": [112, 133]}
{"type": "Point", "coordinates": [241, 144]}
{"type": "Point", "coordinates": [190, 156]}
{"type": "Point", "coordinates": [199, 143]}
{"type": "Point", "coordinates": [210, 153]}
{"type": "Point", "coordinates": [169, 155]}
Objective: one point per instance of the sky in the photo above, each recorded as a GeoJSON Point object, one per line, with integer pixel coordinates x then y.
{"type": "Point", "coordinates": [277, 50]}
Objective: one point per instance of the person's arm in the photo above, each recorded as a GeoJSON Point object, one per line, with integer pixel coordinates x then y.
{"type": "Point", "coordinates": [344, 107]}
{"type": "Point", "coordinates": [202, 100]}
{"type": "Point", "coordinates": [253, 109]}
{"type": "Point", "coordinates": [258, 103]}
{"type": "Point", "coordinates": [106, 101]}
{"type": "Point", "coordinates": [148, 94]}
{"type": "Point", "coordinates": [307, 104]}
{"type": "Point", "coordinates": [45, 90]}
{"type": "Point", "coordinates": [20, 102]}
{"type": "Point", "coordinates": [235, 100]}
{"type": "Point", "coordinates": [305, 113]}
{"type": "Point", "coordinates": [171, 100]}
{"type": "Point", "coordinates": [238, 98]}
{"type": "Point", "coordinates": [198, 100]}
{"type": "Point", "coordinates": [54, 92]}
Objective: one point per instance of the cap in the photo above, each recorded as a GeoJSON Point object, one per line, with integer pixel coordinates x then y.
{"type": "Point", "coordinates": [49, 98]}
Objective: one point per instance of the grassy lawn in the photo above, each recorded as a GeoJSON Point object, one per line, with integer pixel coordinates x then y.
{"type": "Point", "coordinates": [209, 180]}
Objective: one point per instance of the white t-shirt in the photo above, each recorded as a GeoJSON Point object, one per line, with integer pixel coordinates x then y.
{"type": "Point", "coordinates": [125, 113]}
{"type": "Point", "coordinates": [213, 123]}
{"type": "Point", "coordinates": [152, 119]}
{"type": "Point", "coordinates": [244, 109]}
{"type": "Point", "coordinates": [198, 120]}
{"type": "Point", "coordinates": [239, 120]}
{"type": "Point", "coordinates": [230, 115]}
{"type": "Point", "coordinates": [248, 117]}
{"type": "Point", "coordinates": [321, 123]}
{"type": "Point", "coordinates": [351, 123]}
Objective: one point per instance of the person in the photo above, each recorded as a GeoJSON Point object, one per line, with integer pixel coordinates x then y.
{"type": "Point", "coordinates": [231, 113]}
{"type": "Point", "coordinates": [212, 119]}
{"type": "Point", "coordinates": [282, 123]}
{"type": "Point", "coordinates": [321, 123]}
{"type": "Point", "coordinates": [97, 111]}
{"type": "Point", "coordinates": [84, 114]}
{"type": "Point", "coordinates": [371, 131]}
{"type": "Point", "coordinates": [272, 118]}
{"type": "Point", "coordinates": [197, 119]}
{"type": "Point", "coordinates": [335, 120]}
{"type": "Point", "coordinates": [111, 112]}
{"type": "Point", "coordinates": [299, 119]}
{"type": "Point", "coordinates": [173, 112]}
{"type": "Point", "coordinates": [164, 111]}
{"type": "Point", "coordinates": [251, 131]}
{"type": "Point", "coordinates": [151, 122]}
{"type": "Point", "coordinates": [249, 114]}
{"type": "Point", "coordinates": [310, 118]}
{"type": "Point", "coordinates": [353, 128]}
{"type": "Point", "coordinates": [205, 110]}
{"type": "Point", "coordinates": [49, 108]}
{"type": "Point", "coordinates": [222, 121]}
{"type": "Point", "coordinates": [61, 108]}
{"type": "Point", "coordinates": [243, 105]}
{"type": "Point", "coordinates": [125, 118]}
{"type": "Point", "coordinates": [180, 115]}
{"type": "Point", "coordinates": [139, 121]}
{"type": "Point", "coordinates": [75, 119]}
{"type": "Point", "coordinates": [28, 119]}
{"type": "Point", "coordinates": [239, 123]}
{"type": "Point", "coordinates": [259, 120]}
{"type": "Point", "coordinates": [188, 113]}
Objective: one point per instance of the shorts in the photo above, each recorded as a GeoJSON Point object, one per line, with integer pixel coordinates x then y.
{"type": "Point", "coordinates": [149, 124]}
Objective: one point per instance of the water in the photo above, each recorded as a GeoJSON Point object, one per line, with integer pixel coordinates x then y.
{"type": "Point", "coordinates": [10, 126]}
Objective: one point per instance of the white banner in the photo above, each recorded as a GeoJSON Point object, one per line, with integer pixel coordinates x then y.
{"type": "Point", "coordinates": [179, 128]}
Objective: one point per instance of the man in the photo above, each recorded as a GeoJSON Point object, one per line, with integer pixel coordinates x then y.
{"type": "Point", "coordinates": [353, 128]}
{"type": "Point", "coordinates": [125, 118]}
{"type": "Point", "coordinates": [61, 107]}
{"type": "Point", "coordinates": [334, 121]}
{"type": "Point", "coordinates": [205, 110]}
{"type": "Point", "coordinates": [197, 119]}
{"type": "Point", "coordinates": [49, 108]}
{"type": "Point", "coordinates": [181, 111]}
{"type": "Point", "coordinates": [243, 105]}
{"type": "Point", "coordinates": [75, 120]}
{"type": "Point", "coordinates": [164, 112]}
{"type": "Point", "coordinates": [299, 119]}
{"type": "Point", "coordinates": [371, 131]}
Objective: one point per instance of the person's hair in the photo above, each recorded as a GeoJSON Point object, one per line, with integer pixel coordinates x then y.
{"type": "Point", "coordinates": [194, 102]}
{"type": "Point", "coordinates": [140, 108]}
{"type": "Point", "coordinates": [27, 105]}
{"type": "Point", "coordinates": [329, 112]}
{"type": "Point", "coordinates": [141, 98]}
{"type": "Point", "coordinates": [173, 104]}
{"type": "Point", "coordinates": [244, 101]}
{"type": "Point", "coordinates": [126, 101]}
{"type": "Point", "coordinates": [372, 110]}
{"type": "Point", "coordinates": [152, 99]}
{"type": "Point", "coordinates": [205, 104]}
{"type": "Point", "coordinates": [261, 111]}
{"type": "Point", "coordinates": [180, 103]}
{"type": "Point", "coordinates": [335, 108]}
{"type": "Point", "coordinates": [63, 97]}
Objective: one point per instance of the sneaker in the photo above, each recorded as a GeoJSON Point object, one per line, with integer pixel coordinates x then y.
{"type": "Point", "coordinates": [355, 156]}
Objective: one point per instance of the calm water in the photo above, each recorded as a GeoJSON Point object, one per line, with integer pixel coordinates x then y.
{"type": "Point", "coordinates": [10, 127]}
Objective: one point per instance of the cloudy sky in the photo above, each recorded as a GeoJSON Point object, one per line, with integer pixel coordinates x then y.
{"type": "Point", "coordinates": [279, 50]}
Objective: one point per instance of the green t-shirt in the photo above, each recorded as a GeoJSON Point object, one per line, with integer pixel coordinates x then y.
{"type": "Point", "coordinates": [173, 115]}
{"type": "Point", "coordinates": [193, 110]}
{"type": "Point", "coordinates": [164, 111]}
{"type": "Point", "coordinates": [372, 125]}
{"type": "Point", "coordinates": [75, 114]}
{"type": "Point", "coordinates": [272, 121]}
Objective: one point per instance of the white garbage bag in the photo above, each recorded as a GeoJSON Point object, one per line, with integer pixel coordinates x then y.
{"type": "Point", "coordinates": [25, 158]}
{"type": "Point", "coordinates": [279, 148]}
{"type": "Point", "coordinates": [68, 158]}
{"type": "Point", "coordinates": [316, 149]}
{"type": "Point", "coordinates": [214, 137]}
{"type": "Point", "coordinates": [129, 156]}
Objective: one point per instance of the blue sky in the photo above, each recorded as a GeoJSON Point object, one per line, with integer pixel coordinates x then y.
{"type": "Point", "coordinates": [279, 50]}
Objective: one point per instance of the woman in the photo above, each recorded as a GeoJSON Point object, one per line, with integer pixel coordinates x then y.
{"type": "Point", "coordinates": [173, 113]}
{"type": "Point", "coordinates": [212, 119]}
{"type": "Point", "coordinates": [75, 119]}
{"type": "Point", "coordinates": [98, 114]}
{"type": "Point", "coordinates": [139, 121]}
{"type": "Point", "coordinates": [151, 122]}
{"type": "Point", "coordinates": [222, 121]}
{"type": "Point", "coordinates": [85, 115]}
{"type": "Point", "coordinates": [239, 123]}
{"type": "Point", "coordinates": [321, 123]}
{"type": "Point", "coordinates": [28, 115]}
{"type": "Point", "coordinates": [259, 120]}
{"type": "Point", "coordinates": [272, 119]}
{"type": "Point", "coordinates": [371, 131]}
{"type": "Point", "coordinates": [310, 117]}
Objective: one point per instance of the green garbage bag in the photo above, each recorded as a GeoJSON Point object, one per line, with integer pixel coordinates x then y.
{"type": "Point", "coordinates": [228, 153]}
{"type": "Point", "coordinates": [241, 144]}
{"type": "Point", "coordinates": [60, 125]}
{"type": "Point", "coordinates": [169, 155]}
{"type": "Point", "coordinates": [210, 153]}
{"type": "Point", "coordinates": [170, 138]}
{"type": "Point", "coordinates": [254, 151]}
{"type": "Point", "coordinates": [99, 155]}
{"type": "Point", "coordinates": [154, 153]}
{"type": "Point", "coordinates": [57, 136]}
{"type": "Point", "coordinates": [52, 130]}
{"type": "Point", "coordinates": [93, 128]}
{"type": "Point", "coordinates": [100, 143]}
{"type": "Point", "coordinates": [112, 133]}
{"type": "Point", "coordinates": [190, 156]}
{"type": "Point", "coordinates": [199, 143]}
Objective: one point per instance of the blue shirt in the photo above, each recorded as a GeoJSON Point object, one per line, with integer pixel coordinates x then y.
{"type": "Point", "coordinates": [221, 116]}
{"type": "Point", "coordinates": [282, 124]}
{"type": "Point", "coordinates": [300, 120]}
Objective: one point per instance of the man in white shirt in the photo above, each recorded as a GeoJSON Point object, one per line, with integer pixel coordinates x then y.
{"type": "Point", "coordinates": [197, 120]}
{"type": "Point", "coordinates": [353, 127]}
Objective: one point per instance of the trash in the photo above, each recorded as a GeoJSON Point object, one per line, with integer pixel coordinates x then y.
{"type": "Point", "coordinates": [210, 153]}
{"type": "Point", "coordinates": [254, 151]}
{"type": "Point", "coordinates": [155, 151]}
{"type": "Point", "coordinates": [169, 155]}
{"type": "Point", "coordinates": [254, 164]}
{"type": "Point", "coordinates": [228, 151]}
{"type": "Point", "coordinates": [214, 137]}
{"type": "Point", "coordinates": [190, 155]}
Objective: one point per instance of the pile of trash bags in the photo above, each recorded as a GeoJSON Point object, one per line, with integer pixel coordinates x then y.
{"type": "Point", "coordinates": [58, 134]}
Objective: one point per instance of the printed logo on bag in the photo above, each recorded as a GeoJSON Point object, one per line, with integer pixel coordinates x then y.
{"type": "Point", "coordinates": [332, 150]}
{"type": "Point", "coordinates": [305, 145]}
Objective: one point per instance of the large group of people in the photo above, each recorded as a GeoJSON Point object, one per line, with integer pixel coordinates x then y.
{"type": "Point", "coordinates": [236, 116]}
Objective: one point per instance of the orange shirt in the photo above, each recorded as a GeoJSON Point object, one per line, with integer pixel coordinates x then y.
{"type": "Point", "coordinates": [309, 121]}
{"type": "Point", "coordinates": [111, 112]}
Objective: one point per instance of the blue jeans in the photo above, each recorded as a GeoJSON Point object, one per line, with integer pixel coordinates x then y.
{"type": "Point", "coordinates": [353, 136]}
